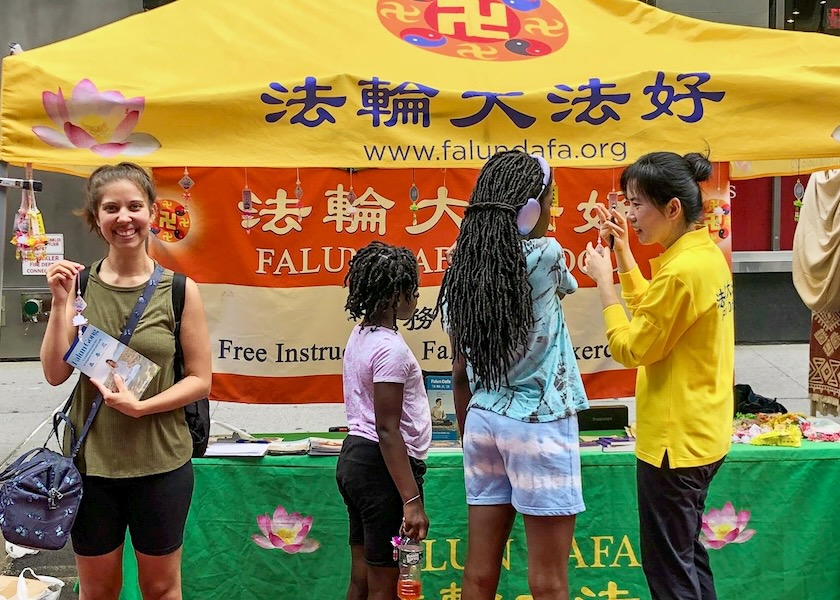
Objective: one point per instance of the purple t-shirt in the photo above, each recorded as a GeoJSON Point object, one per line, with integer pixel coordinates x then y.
{"type": "Point", "coordinates": [380, 355]}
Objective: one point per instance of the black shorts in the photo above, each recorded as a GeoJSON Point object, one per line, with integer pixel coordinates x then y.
{"type": "Point", "coordinates": [373, 502]}
{"type": "Point", "coordinates": [154, 509]}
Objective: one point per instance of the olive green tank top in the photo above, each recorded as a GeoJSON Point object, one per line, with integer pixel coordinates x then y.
{"type": "Point", "coordinates": [117, 445]}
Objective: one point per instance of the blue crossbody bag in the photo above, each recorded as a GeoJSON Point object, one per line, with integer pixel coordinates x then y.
{"type": "Point", "coordinates": [40, 492]}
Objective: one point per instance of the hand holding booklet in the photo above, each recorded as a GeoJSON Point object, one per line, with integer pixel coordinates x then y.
{"type": "Point", "coordinates": [100, 357]}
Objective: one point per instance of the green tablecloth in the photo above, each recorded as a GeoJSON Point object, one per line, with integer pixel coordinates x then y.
{"type": "Point", "coordinates": [790, 494]}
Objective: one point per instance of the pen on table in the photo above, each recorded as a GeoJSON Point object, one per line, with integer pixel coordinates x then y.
{"type": "Point", "coordinates": [342, 429]}
{"type": "Point", "coordinates": [241, 441]}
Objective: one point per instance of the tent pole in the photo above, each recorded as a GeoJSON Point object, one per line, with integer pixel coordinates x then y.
{"type": "Point", "coordinates": [4, 168]}
{"type": "Point", "coordinates": [776, 215]}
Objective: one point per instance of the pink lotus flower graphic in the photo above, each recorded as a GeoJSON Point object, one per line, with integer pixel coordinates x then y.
{"type": "Point", "coordinates": [102, 122]}
{"type": "Point", "coordinates": [285, 531]}
{"type": "Point", "coordinates": [724, 526]}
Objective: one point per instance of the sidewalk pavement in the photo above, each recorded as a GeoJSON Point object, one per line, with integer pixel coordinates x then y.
{"type": "Point", "coordinates": [27, 401]}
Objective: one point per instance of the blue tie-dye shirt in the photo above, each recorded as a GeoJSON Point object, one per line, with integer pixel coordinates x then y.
{"type": "Point", "coordinates": [544, 384]}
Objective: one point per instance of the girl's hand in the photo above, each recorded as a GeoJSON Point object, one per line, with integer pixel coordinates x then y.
{"type": "Point", "coordinates": [122, 400]}
{"type": "Point", "coordinates": [609, 230]}
{"type": "Point", "coordinates": [450, 252]}
{"type": "Point", "coordinates": [598, 265]}
{"type": "Point", "coordinates": [61, 277]}
{"type": "Point", "coordinates": [415, 521]}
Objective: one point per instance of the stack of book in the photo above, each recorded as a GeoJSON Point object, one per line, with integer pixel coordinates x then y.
{"type": "Point", "coordinates": [324, 446]}
{"type": "Point", "coordinates": [617, 444]}
{"type": "Point", "coordinates": [282, 447]}
{"type": "Point", "coordinates": [608, 443]}
{"type": "Point", "coordinates": [313, 446]}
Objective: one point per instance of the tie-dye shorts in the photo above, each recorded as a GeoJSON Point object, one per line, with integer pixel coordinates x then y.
{"type": "Point", "coordinates": [533, 466]}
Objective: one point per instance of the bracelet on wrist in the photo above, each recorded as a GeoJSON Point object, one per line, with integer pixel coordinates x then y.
{"type": "Point", "coordinates": [410, 500]}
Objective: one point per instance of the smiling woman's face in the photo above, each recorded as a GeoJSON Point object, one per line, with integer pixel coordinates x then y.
{"type": "Point", "coordinates": [645, 218]}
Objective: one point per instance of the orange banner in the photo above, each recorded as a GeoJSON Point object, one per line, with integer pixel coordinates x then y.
{"type": "Point", "coordinates": [271, 263]}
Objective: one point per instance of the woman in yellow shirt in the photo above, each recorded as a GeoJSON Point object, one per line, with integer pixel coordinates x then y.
{"type": "Point", "coordinates": [681, 337]}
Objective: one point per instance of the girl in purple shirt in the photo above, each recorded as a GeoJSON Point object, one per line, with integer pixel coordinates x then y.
{"type": "Point", "coordinates": [380, 469]}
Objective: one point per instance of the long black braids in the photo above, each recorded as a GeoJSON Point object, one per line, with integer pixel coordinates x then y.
{"type": "Point", "coordinates": [379, 276]}
{"type": "Point", "coordinates": [485, 296]}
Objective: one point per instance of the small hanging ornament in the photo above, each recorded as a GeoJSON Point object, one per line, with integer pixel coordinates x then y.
{"type": "Point", "coordinates": [351, 195]}
{"type": "Point", "coordinates": [30, 237]}
{"type": "Point", "coordinates": [21, 234]}
{"type": "Point", "coordinates": [246, 207]}
{"type": "Point", "coordinates": [413, 195]}
{"type": "Point", "coordinates": [798, 193]}
{"type": "Point", "coordinates": [186, 184]}
{"type": "Point", "coordinates": [79, 305]}
{"type": "Point", "coordinates": [298, 195]}
{"type": "Point", "coordinates": [555, 210]}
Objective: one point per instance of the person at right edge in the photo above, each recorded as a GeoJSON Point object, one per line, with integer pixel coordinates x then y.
{"type": "Point", "coordinates": [681, 337]}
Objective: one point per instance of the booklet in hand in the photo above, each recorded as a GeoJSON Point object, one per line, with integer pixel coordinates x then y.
{"type": "Point", "coordinates": [100, 356]}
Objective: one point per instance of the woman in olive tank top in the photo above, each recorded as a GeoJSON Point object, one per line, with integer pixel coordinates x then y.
{"type": "Point", "coordinates": [135, 460]}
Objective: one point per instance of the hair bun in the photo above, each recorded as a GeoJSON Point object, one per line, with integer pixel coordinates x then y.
{"type": "Point", "coordinates": [701, 168]}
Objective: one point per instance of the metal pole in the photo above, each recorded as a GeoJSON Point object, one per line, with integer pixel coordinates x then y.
{"type": "Point", "coordinates": [4, 169]}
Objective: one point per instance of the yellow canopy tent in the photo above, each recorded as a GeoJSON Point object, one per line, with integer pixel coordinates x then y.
{"type": "Point", "coordinates": [396, 84]}
{"type": "Point", "coordinates": [409, 83]}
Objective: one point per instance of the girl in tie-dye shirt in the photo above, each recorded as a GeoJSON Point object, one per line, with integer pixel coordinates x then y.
{"type": "Point", "coordinates": [517, 385]}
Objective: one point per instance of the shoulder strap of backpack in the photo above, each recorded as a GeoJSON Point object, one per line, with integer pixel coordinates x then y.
{"type": "Point", "coordinates": [179, 292]}
{"type": "Point", "coordinates": [83, 279]}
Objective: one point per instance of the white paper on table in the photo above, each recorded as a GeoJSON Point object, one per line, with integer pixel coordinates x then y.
{"type": "Point", "coordinates": [236, 449]}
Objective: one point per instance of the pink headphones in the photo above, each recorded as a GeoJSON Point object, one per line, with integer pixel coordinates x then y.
{"type": "Point", "coordinates": [529, 214]}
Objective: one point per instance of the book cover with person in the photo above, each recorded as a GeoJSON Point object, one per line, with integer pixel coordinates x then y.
{"type": "Point", "coordinates": [100, 357]}
{"type": "Point", "coordinates": [442, 405]}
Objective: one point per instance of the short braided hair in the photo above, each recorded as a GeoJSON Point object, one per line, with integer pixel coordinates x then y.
{"type": "Point", "coordinates": [379, 275]}
{"type": "Point", "coordinates": [485, 295]}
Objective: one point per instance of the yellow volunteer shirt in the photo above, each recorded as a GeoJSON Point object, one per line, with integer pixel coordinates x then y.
{"type": "Point", "coordinates": [682, 339]}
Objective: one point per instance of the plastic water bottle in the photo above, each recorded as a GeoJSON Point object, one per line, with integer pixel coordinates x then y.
{"type": "Point", "coordinates": [409, 586]}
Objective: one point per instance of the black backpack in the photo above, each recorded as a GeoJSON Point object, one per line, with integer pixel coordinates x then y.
{"type": "Point", "coordinates": [197, 414]}
{"type": "Point", "coordinates": [748, 402]}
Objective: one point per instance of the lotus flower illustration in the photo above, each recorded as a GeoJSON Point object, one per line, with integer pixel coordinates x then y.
{"type": "Point", "coordinates": [102, 122]}
{"type": "Point", "coordinates": [725, 526]}
{"type": "Point", "coordinates": [286, 532]}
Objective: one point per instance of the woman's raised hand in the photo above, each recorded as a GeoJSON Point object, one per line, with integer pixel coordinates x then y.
{"type": "Point", "coordinates": [61, 277]}
{"type": "Point", "coordinates": [613, 226]}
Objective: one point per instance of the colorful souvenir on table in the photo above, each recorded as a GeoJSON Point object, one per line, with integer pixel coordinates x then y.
{"type": "Point", "coordinates": [789, 436]}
